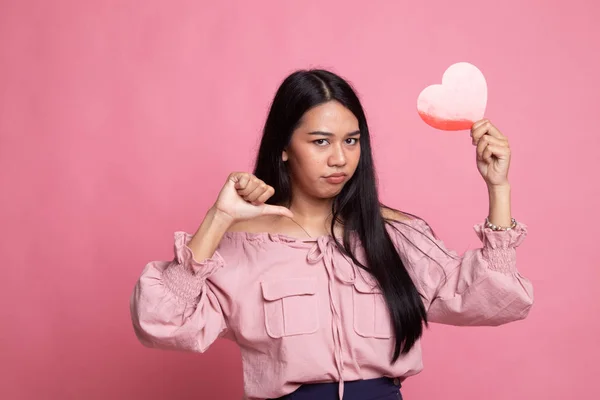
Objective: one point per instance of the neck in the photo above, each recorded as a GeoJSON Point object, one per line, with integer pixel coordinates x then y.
{"type": "Point", "coordinates": [311, 211]}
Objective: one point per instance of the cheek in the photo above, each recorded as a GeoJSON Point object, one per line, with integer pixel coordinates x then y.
{"type": "Point", "coordinates": [355, 157]}
{"type": "Point", "coordinates": [308, 166]}
{"type": "Point", "coordinates": [312, 161]}
{"type": "Point", "coordinates": [314, 169]}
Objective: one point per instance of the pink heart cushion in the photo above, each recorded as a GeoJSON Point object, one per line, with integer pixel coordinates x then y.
{"type": "Point", "coordinates": [458, 102]}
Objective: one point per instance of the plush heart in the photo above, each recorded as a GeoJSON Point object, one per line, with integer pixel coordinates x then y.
{"type": "Point", "coordinates": [458, 102]}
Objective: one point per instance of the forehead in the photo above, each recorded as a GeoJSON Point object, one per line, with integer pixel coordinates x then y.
{"type": "Point", "coordinates": [331, 117]}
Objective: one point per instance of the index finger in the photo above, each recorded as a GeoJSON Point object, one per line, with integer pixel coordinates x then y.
{"type": "Point", "coordinates": [484, 127]}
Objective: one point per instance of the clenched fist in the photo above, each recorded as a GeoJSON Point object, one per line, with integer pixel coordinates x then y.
{"type": "Point", "coordinates": [243, 197]}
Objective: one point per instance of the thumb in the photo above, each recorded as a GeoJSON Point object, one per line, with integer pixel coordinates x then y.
{"type": "Point", "coordinates": [276, 210]}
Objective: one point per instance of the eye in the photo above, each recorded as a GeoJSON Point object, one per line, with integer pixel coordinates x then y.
{"type": "Point", "coordinates": [320, 142]}
{"type": "Point", "coordinates": [353, 141]}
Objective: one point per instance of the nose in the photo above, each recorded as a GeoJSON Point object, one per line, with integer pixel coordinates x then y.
{"type": "Point", "coordinates": [337, 158]}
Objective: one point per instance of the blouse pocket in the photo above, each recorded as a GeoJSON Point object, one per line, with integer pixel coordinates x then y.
{"type": "Point", "coordinates": [290, 307]}
{"type": "Point", "coordinates": [371, 315]}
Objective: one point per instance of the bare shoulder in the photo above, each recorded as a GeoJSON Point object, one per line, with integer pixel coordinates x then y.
{"type": "Point", "coordinates": [395, 215]}
{"type": "Point", "coordinates": [255, 225]}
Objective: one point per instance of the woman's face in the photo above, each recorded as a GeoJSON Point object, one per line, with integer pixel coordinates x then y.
{"type": "Point", "coordinates": [324, 150]}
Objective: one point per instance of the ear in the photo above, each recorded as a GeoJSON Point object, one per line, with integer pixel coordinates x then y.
{"type": "Point", "coordinates": [284, 156]}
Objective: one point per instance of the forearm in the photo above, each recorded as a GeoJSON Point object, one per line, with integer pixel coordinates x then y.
{"type": "Point", "coordinates": [209, 235]}
{"type": "Point", "coordinates": [499, 205]}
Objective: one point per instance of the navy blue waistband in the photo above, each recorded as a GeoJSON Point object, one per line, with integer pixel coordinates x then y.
{"type": "Point", "coordinates": [368, 389]}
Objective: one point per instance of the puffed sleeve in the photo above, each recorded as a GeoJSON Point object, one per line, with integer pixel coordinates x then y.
{"type": "Point", "coordinates": [174, 305]}
{"type": "Point", "coordinates": [482, 287]}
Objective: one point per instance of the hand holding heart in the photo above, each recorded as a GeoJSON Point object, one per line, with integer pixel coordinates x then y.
{"type": "Point", "coordinates": [492, 154]}
{"type": "Point", "coordinates": [459, 103]}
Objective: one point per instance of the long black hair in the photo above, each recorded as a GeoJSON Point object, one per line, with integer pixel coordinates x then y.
{"type": "Point", "coordinates": [357, 206]}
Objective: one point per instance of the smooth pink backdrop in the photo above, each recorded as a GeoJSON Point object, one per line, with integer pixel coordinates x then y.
{"type": "Point", "coordinates": [120, 120]}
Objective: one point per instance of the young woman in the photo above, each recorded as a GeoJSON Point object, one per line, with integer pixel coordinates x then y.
{"type": "Point", "coordinates": [326, 290]}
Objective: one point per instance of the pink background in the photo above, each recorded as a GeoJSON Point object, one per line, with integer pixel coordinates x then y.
{"type": "Point", "coordinates": [120, 120]}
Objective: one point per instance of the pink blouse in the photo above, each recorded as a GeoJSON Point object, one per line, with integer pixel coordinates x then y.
{"type": "Point", "coordinates": [301, 311]}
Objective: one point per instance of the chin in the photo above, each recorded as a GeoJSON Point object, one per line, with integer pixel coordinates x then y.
{"type": "Point", "coordinates": [328, 194]}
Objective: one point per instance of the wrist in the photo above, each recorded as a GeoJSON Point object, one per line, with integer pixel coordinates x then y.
{"type": "Point", "coordinates": [219, 217]}
{"type": "Point", "coordinates": [499, 186]}
{"type": "Point", "coordinates": [499, 189]}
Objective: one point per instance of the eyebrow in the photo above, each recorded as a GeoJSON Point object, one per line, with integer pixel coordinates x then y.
{"type": "Point", "coordinates": [329, 134]}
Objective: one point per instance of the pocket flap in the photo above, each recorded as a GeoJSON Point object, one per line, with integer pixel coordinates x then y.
{"type": "Point", "coordinates": [363, 286]}
{"type": "Point", "coordinates": [274, 290]}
